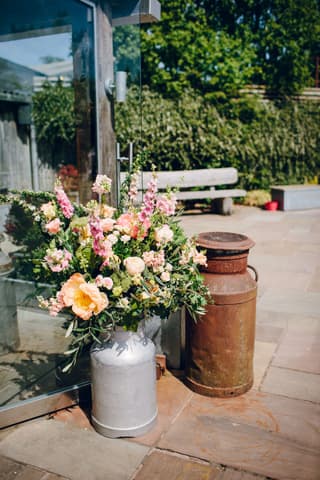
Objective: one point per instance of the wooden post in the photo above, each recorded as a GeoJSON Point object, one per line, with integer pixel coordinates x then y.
{"type": "Point", "coordinates": [104, 69]}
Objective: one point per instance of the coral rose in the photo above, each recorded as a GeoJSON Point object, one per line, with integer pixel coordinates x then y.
{"type": "Point", "coordinates": [134, 265]}
{"type": "Point", "coordinates": [84, 298]}
{"type": "Point", "coordinates": [128, 223]}
{"type": "Point", "coordinates": [54, 226]}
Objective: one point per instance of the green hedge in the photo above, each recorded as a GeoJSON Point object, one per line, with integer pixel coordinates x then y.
{"type": "Point", "coordinates": [268, 144]}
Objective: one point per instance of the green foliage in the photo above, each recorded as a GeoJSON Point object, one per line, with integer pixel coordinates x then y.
{"type": "Point", "coordinates": [54, 115]}
{"type": "Point", "coordinates": [257, 198]}
{"type": "Point", "coordinates": [266, 142]}
{"type": "Point", "coordinates": [217, 46]}
{"type": "Point", "coordinates": [183, 51]}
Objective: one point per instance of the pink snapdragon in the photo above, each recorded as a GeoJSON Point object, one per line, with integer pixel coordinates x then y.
{"type": "Point", "coordinates": [57, 259]}
{"type": "Point", "coordinates": [102, 184]}
{"type": "Point", "coordinates": [133, 189]}
{"type": "Point", "coordinates": [155, 260]}
{"type": "Point", "coordinates": [53, 304]}
{"type": "Point", "coordinates": [105, 282]}
{"type": "Point", "coordinates": [64, 202]}
{"type": "Point", "coordinates": [167, 204]}
{"type": "Point", "coordinates": [101, 246]}
{"type": "Point", "coordinates": [149, 200]}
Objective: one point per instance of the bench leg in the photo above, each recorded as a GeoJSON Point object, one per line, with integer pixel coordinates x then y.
{"type": "Point", "coordinates": [222, 206]}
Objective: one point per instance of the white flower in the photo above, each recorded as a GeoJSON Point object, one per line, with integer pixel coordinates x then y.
{"type": "Point", "coordinates": [112, 238]}
{"type": "Point", "coordinates": [163, 234]}
{"type": "Point", "coordinates": [102, 184]}
{"type": "Point", "coordinates": [125, 238]}
{"type": "Point", "coordinates": [134, 265]}
{"type": "Point", "coordinates": [123, 303]}
{"type": "Point", "coordinates": [165, 276]}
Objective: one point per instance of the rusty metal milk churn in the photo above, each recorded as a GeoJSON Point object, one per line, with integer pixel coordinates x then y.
{"type": "Point", "coordinates": [220, 346]}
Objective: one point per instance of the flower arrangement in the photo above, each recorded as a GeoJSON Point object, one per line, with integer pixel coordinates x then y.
{"type": "Point", "coordinates": [115, 266]}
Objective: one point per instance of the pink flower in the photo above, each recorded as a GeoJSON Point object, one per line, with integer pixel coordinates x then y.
{"type": "Point", "coordinates": [105, 282]}
{"type": "Point", "coordinates": [149, 200]}
{"type": "Point", "coordinates": [101, 246]}
{"type": "Point", "coordinates": [167, 204]}
{"type": "Point", "coordinates": [64, 202]}
{"type": "Point", "coordinates": [54, 226]}
{"type": "Point", "coordinates": [128, 223]}
{"type": "Point", "coordinates": [107, 224]}
{"type": "Point", "coordinates": [58, 260]}
{"type": "Point", "coordinates": [84, 298]}
{"type": "Point", "coordinates": [154, 259]}
{"type": "Point", "coordinates": [102, 184]}
{"type": "Point", "coordinates": [133, 189]}
{"type": "Point", "coordinates": [55, 305]}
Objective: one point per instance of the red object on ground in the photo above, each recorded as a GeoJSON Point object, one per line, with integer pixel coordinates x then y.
{"type": "Point", "coordinates": [273, 205]}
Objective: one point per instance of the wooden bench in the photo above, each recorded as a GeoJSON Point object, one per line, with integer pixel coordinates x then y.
{"type": "Point", "coordinates": [197, 185]}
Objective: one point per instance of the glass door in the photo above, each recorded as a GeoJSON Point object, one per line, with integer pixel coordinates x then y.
{"type": "Point", "coordinates": [52, 125]}
{"type": "Point", "coordinates": [47, 129]}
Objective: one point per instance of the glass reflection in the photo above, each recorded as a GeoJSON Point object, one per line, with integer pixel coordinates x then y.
{"type": "Point", "coordinates": [47, 128]}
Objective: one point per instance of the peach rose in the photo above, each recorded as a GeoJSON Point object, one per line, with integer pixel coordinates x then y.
{"type": "Point", "coordinates": [84, 298]}
{"type": "Point", "coordinates": [107, 224]}
{"type": "Point", "coordinates": [134, 265]}
{"type": "Point", "coordinates": [128, 223]}
{"type": "Point", "coordinates": [54, 226]}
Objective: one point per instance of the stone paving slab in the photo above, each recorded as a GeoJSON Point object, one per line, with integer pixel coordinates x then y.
{"type": "Point", "coordinates": [167, 466]}
{"type": "Point", "coordinates": [292, 383]}
{"type": "Point", "coordinates": [200, 432]}
{"type": "Point", "coordinates": [71, 452]}
{"type": "Point", "coordinates": [268, 333]}
{"type": "Point", "coordinates": [290, 301]}
{"type": "Point", "coordinates": [172, 396]}
{"type": "Point", "coordinates": [314, 285]}
{"type": "Point", "coordinates": [11, 470]}
{"type": "Point", "coordinates": [263, 354]}
{"type": "Point", "coordinates": [300, 350]}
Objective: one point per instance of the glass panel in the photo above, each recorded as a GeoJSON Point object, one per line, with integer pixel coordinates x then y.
{"type": "Point", "coordinates": [47, 127]}
{"type": "Point", "coordinates": [127, 54]}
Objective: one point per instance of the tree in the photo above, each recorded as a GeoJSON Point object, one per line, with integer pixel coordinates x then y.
{"type": "Point", "coordinates": [216, 46]}
{"type": "Point", "coordinates": [285, 35]}
{"type": "Point", "coordinates": [183, 51]}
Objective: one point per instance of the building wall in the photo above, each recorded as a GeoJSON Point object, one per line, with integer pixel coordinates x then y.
{"type": "Point", "coordinates": [15, 165]}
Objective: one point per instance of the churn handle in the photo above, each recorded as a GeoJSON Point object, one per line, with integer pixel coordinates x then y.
{"type": "Point", "coordinates": [255, 272]}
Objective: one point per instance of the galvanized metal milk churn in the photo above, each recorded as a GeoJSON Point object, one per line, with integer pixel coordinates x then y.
{"type": "Point", "coordinates": [220, 346]}
{"type": "Point", "coordinates": [123, 371]}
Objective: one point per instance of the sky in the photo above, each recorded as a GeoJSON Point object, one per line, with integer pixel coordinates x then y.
{"type": "Point", "coordinates": [28, 51]}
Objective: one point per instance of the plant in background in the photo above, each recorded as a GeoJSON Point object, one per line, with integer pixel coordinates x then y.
{"type": "Point", "coordinates": [53, 114]}
{"type": "Point", "coordinates": [257, 198]}
{"type": "Point", "coordinates": [69, 177]}
{"type": "Point", "coordinates": [115, 267]}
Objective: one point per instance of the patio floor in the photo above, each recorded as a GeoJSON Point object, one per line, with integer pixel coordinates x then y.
{"type": "Point", "coordinates": [272, 431]}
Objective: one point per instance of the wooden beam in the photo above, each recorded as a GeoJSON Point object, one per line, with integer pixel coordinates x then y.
{"type": "Point", "coordinates": [104, 68]}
